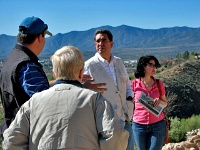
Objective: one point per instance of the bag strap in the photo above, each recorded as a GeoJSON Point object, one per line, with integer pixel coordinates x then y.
{"type": "Point", "coordinates": [158, 84]}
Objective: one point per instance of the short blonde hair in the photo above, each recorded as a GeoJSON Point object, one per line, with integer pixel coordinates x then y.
{"type": "Point", "coordinates": [67, 62]}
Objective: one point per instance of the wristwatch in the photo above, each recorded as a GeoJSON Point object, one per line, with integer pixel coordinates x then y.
{"type": "Point", "coordinates": [129, 98]}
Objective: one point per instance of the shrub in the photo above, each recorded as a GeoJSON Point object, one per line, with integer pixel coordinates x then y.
{"type": "Point", "coordinates": [50, 77]}
{"type": "Point", "coordinates": [131, 77]}
{"type": "Point", "coordinates": [179, 127]}
{"type": "Point", "coordinates": [175, 133]}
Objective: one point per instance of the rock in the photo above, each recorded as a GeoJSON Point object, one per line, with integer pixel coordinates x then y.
{"type": "Point", "coordinates": [192, 142]}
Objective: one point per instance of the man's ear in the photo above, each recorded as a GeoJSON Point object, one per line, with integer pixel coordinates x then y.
{"type": "Point", "coordinates": [54, 76]}
{"type": "Point", "coordinates": [81, 74]}
{"type": "Point", "coordinates": [40, 37]}
{"type": "Point", "coordinates": [95, 44]}
{"type": "Point", "coordinates": [112, 43]}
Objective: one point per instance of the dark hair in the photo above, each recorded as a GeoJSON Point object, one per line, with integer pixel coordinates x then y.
{"type": "Point", "coordinates": [104, 31]}
{"type": "Point", "coordinates": [143, 61]}
{"type": "Point", "coordinates": [28, 38]}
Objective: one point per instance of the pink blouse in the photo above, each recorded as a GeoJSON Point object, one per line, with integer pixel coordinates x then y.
{"type": "Point", "coordinates": [141, 115]}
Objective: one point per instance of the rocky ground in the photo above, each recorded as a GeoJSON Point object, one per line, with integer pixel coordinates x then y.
{"type": "Point", "coordinates": [192, 142]}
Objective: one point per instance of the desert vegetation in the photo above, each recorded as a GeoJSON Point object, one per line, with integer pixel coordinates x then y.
{"type": "Point", "coordinates": [179, 127]}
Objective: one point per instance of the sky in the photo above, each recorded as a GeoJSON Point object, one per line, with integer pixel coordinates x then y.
{"type": "Point", "coordinates": [63, 16]}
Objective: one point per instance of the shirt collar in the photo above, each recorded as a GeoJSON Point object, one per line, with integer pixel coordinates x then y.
{"type": "Point", "coordinates": [101, 59]}
{"type": "Point", "coordinates": [73, 82]}
{"type": "Point", "coordinates": [27, 51]}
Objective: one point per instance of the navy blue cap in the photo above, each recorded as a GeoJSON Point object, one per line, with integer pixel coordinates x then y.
{"type": "Point", "coordinates": [33, 25]}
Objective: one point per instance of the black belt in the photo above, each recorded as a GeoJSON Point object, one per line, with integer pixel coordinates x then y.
{"type": "Point", "coordinates": [128, 121]}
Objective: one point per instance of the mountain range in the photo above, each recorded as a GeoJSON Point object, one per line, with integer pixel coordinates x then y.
{"type": "Point", "coordinates": [128, 41]}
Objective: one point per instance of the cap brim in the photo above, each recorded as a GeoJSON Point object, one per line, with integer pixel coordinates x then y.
{"type": "Point", "coordinates": [49, 33]}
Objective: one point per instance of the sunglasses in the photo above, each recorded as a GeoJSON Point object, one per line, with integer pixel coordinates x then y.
{"type": "Point", "coordinates": [102, 41]}
{"type": "Point", "coordinates": [152, 65]}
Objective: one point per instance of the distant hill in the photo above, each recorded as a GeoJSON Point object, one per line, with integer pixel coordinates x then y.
{"type": "Point", "coordinates": [129, 40]}
{"type": "Point", "coordinates": [182, 81]}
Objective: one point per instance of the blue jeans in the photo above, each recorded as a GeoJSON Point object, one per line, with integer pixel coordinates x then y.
{"type": "Point", "coordinates": [130, 138]}
{"type": "Point", "coordinates": [151, 136]}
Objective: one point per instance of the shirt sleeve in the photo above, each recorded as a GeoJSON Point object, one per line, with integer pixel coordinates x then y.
{"type": "Point", "coordinates": [129, 91]}
{"type": "Point", "coordinates": [86, 70]}
{"type": "Point", "coordinates": [16, 137]}
{"type": "Point", "coordinates": [32, 79]}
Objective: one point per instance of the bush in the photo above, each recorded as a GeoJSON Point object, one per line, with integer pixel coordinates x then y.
{"type": "Point", "coordinates": [131, 77]}
{"type": "Point", "coordinates": [179, 127]}
{"type": "Point", "coordinates": [50, 77]}
{"type": "Point", "coordinates": [176, 134]}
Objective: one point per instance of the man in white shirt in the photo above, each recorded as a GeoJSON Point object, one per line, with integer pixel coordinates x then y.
{"type": "Point", "coordinates": [106, 68]}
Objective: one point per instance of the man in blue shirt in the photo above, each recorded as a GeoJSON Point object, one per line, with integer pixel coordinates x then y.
{"type": "Point", "coordinates": [22, 75]}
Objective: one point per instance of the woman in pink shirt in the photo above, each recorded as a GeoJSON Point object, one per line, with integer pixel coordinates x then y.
{"type": "Point", "coordinates": [149, 130]}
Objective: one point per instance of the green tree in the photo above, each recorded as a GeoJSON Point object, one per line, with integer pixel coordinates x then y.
{"type": "Point", "coordinates": [50, 77]}
{"type": "Point", "coordinates": [131, 77]}
{"type": "Point", "coordinates": [179, 56]}
{"type": "Point", "coordinates": [192, 56]}
{"type": "Point", "coordinates": [175, 133]}
{"type": "Point", "coordinates": [186, 55]}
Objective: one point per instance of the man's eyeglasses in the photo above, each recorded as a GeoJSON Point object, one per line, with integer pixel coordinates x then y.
{"type": "Point", "coordinates": [102, 40]}
{"type": "Point", "coordinates": [152, 65]}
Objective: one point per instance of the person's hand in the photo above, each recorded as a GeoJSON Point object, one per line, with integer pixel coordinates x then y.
{"type": "Point", "coordinates": [86, 77]}
{"type": "Point", "coordinates": [157, 101]}
{"type": "Point", "coordinates": [97, 87]}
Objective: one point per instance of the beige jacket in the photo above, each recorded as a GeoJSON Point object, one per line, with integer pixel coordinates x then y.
{"type": "Point", "coordinates": [66, 117]}
{"type": "Point", "coordinates": [115, 94]}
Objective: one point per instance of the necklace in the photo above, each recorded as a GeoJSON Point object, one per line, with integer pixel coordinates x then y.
{"type": "Point", "coordinates": [148, 84]}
